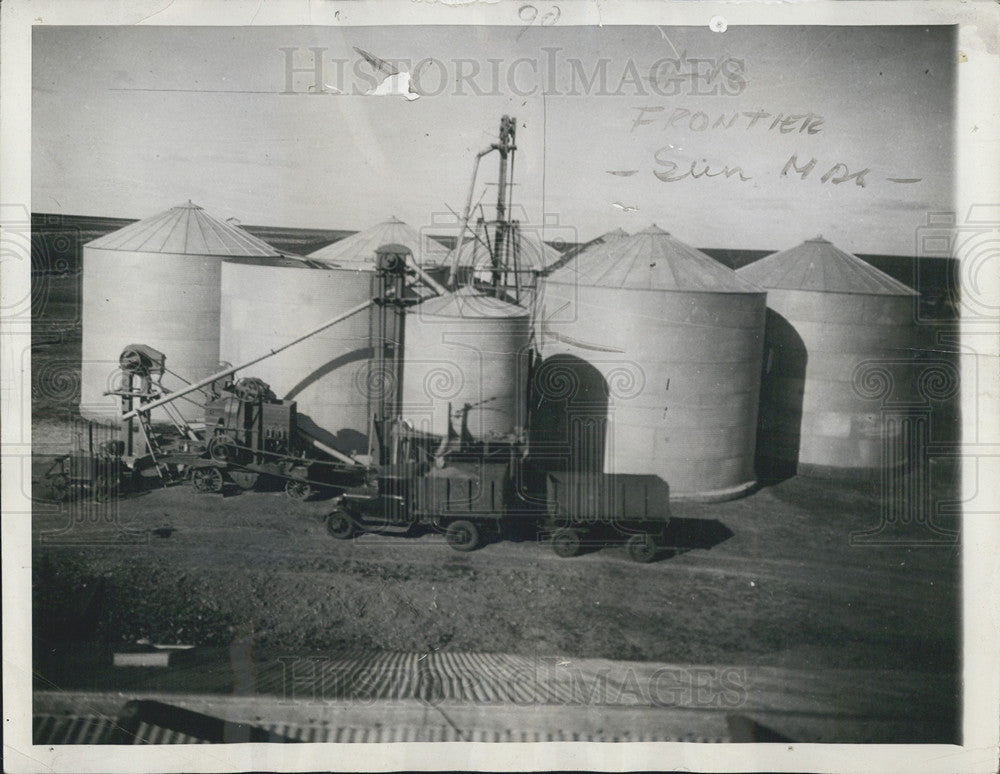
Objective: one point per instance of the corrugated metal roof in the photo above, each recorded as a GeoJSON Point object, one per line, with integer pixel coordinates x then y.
{"type": "Point", "coordinates": [186, 230]}
{"type": "Point", "coordinates": [360, 248]}
{"type": "Point", "coordinates": [533, 253]}
{"type": "Point", "coordinates": [651, 259]}
{"type": "Point", "coordinates": [469, 303]}
{"type": "Point", "coordinates": [571, 254]}
{"type": "Point", "coordinates": [818, 265]}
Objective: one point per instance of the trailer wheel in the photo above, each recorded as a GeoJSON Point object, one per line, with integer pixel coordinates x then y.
{"type": "Point", "coordinates": [462, 535]}
{"type": "Point", "coordinates": [244, 479]}
{"type": "Point", "coordinates": [340, 525]}
{"type": "Point", "coordinates": [298, 490]}
{"type": "Point", "coordinates": [566, 542]}
{"type": "Point", "coordinates": [641, 548]}
{"type": "Point", "coordinates": [207, 480]}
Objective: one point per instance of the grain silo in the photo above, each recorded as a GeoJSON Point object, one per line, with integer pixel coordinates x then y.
{"type": "Point", "coordinates": [156, 282]}
{"type": "Point", "coordinates": [651, 355]}
{"type": "Point", "coordinates": [827, 312]}
{"type": "Point", "coordinates": [467, 350]}
{"type": "Point", "coordinates": [358, 250]}
{"type": "Point", "coordinates": [267, 303]}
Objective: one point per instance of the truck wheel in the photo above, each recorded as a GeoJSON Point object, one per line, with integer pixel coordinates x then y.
{"type": "Point", "coordinates": [462, 535]}
{"type": "Point", "coordinates": [340, 525]}
{"type": "Point", "coordinates": [566, 542]}
{"type": "Point", "coordinates": [641, 548]}
{"type": "Point", "coordinates": [298, 490]}
{"type": "Point", "coordinates": [207, 480]}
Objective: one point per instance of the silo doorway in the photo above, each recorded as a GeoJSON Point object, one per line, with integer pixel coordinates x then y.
{"type": "Point", "coordinates": [781, 390]}
{"type": "Point", "coordinates": [569, 415]}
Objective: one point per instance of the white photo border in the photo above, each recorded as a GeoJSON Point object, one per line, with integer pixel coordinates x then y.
{"type": "Point", "coordinates": [978, 174]}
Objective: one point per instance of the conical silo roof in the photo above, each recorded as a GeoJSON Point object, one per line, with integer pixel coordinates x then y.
{"type": "Point", "coordinates": [469, 303]}
{"type": "Point", "coordinates": [533, 253]}
{"type": "Point", "coordinates": [358, 250]}
{"type": "Point", "coordinates": [184, 230]}
{"type": "Point", "coordinates": [651, 259]}
{"type": "Point", "coordinates": [571, 254]}
{"type": "Point", "coordinates": [820, 266]}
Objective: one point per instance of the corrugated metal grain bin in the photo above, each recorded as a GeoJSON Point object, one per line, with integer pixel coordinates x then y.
{"type": "Point", "coordinates": [156, 282]}
{"type": "Point", "coordinates": [828, 312]}
{"type": "Point", "coordinates": [360, 248]}
{"type": "Point", "coordinates": [651, 365]}
{"type": "Point", "coordinates": [267, 303]}
{"type": "Point", "coordinates": [468, 350]}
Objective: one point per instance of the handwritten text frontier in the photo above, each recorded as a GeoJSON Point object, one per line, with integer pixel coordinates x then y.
{"type": "Point", "coordinates": [700, 121]}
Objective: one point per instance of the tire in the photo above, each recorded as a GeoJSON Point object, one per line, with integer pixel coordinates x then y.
{"type": "Point", "coordinates": [641, 548]}
{"type": "Point", "coordinates": [462, 535]}
{"type": "Point", "coordinates": [566, 542]}
{"type": "Point", "coordinates": [244, 479]}
{"type": "Point", "coordinates": [298, 490]}
{"type": "Point", "coordinates": [207, 480]}
{"type": "Point", "coordinates": [340, 525]}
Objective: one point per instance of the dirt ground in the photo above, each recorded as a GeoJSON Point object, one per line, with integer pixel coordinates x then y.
{"type": "Point", "coordinates": [769, 579]}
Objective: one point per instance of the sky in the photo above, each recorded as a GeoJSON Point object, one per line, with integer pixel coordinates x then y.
{"type": "Point", "coordinates": [128, 121]}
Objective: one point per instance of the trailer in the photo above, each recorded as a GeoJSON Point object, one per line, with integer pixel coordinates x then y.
{"type": "Point", "coordinates": [586, 508]}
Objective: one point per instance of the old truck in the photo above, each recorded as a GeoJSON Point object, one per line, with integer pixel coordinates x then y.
{"type": "Point", "coordinates": [472, 500]}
